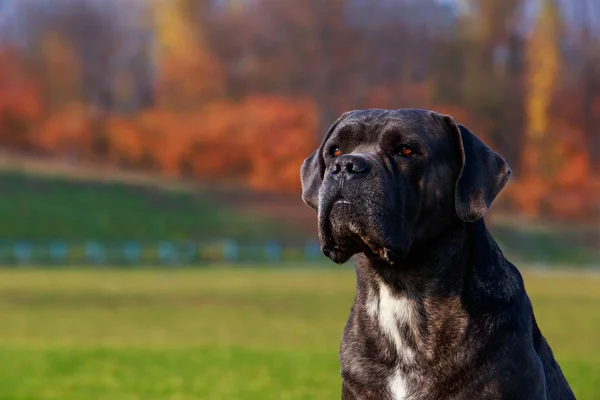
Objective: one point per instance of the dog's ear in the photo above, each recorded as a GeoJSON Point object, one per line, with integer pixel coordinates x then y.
{"type": "Point", "coordinates": [483, 174]}
{"type": "Point", "coordinates": [313, 169]}
{"type": "Point", "coordinates": [311, 178]}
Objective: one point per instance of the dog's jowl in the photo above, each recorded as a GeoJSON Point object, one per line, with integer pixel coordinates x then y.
{"type": "Point", "coordinates": [439, 312]}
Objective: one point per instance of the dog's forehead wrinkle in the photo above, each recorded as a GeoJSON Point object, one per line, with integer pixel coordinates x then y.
{"type": "Point", "coordinates": [355, 134]}
{"type": "Point", "coordinates": [367, 133]}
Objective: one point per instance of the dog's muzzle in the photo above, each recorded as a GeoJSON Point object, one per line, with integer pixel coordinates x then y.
{"type": "Point", "coordinates": [349, 166]}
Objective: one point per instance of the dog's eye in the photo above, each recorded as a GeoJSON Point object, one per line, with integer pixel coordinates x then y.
{"type": "Point", "coordinates": [406, 151]}
{"type": "Point", "coordinates": [335, 151]}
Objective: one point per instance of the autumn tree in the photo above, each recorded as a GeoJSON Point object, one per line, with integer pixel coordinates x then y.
{"type": "Point", "coordinates": [20, 102]}
{"type": "Point", "coordinates": [543, 68]}
{"type": "Point", "coordinates": [189, 75]}
{"type": "Point", "coordinates": [492, 79]}
{"type": "Point", "coordinates": [589, 75]}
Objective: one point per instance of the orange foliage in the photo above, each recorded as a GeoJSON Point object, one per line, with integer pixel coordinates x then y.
{"type": "Point", "coordinates": [462, 116]}
{"type": "Point", "coordinates": [566, 189]}
{"type": "Point", "coordinates": [575, 172]}
{"type": "Point", "coordinates": [260, 141]}
{"type": "Point", "coordinates": [527, 194]}
{"type": "Point", "coordinates": [20, 101]}
{"type": "Point", "coordinates": [574, 204]}
{"type": "Point", "coordinates": [66, 131]}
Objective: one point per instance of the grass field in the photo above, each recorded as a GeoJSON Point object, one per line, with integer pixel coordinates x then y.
{"type": "Point", "coordinates": [222, 333]}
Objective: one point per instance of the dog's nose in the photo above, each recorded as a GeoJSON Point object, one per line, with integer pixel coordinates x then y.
{"type": "Point", "coordinates": [349, 166]}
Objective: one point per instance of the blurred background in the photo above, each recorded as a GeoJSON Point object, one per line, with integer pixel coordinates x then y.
{"type": "Point", "coordinates": [143, 140]}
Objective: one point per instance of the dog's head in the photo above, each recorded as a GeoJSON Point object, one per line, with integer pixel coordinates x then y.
{"type": "Point", "coordinates": [383, 181]}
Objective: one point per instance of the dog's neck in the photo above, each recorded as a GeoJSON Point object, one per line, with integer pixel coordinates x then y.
{"type": "Point", "coordinates": [418, 303]}
{"type": "Point", "coordinates": [435, 266]}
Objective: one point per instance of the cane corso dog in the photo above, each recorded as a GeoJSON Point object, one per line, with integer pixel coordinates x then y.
{"type": "Point", "coordinates": [439, 312]}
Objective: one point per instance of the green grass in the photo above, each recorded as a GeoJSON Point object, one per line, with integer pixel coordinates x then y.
{"type": "Point", "coordinates": [572, 245]}
{"type": "Point", "coordinates": [221, 333]}
{"type": "Point", "coordinates": [51, 208]}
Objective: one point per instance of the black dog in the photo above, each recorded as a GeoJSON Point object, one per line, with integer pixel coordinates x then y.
{"type": "Point", "coordinates": [439, 312]}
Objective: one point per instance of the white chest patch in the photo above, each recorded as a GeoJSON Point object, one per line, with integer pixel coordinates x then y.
{"type": "Point", "coordinates": [392, 312]}
{"type": "Point", "coordinates": [397, 386]}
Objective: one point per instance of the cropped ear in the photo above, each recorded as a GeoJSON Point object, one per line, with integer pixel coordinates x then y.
{"type": "Point", "coordinates": [313, 170]}
{"type": "Point", "coordinates": [483, 174]}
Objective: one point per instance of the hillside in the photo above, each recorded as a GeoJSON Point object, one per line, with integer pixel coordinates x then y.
{"type": "Point", "coordinates": [49, 207]}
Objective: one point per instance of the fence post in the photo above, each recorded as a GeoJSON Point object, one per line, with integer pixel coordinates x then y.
{"type": "Point", "coordinates": [187, 254]}
{"type": "Point", "coordinates": [22, 252]}
{"type": "Point", "coordinates": [132, 252]}
{"type": "Point", "coordinates": [95, 253]}
{"type": "Point", "coordinates": [230, 251]}
{"type": "Point", "coordinates": [58, 252]}
{"type": "Point", "coordinates": [312, 251]}
{"type": "Point", "coordinates": [273, 252]}
{"type": "Point", "coordinates": [167, 253]}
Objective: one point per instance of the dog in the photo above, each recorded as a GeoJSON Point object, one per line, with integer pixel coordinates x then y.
{"type": "Point", "coordinates": [439, 313]}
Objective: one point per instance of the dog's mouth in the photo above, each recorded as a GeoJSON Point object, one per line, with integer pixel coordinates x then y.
{"type": "Point", "coordinates": [347, 227]}
{"type": "Point", "coordinates": [344, 231]}
{"type": "Point", "coordinates": [339, 198]}
{"type": "Point", "coordinates": [337, 229]}
{"type": "Point", "coordinates": [341, 201]}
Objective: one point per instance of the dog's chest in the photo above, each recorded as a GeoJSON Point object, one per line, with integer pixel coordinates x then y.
{"type": "Point", "coordinates": [398, 386]}
{"type": "Point", "coordinates": [394, 316]}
